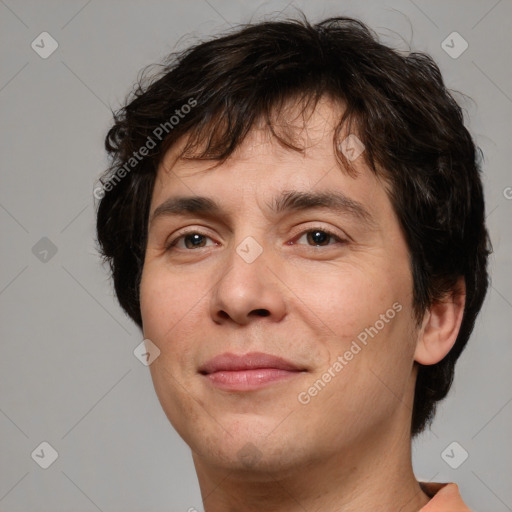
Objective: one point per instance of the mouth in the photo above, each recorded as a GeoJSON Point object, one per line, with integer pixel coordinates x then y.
{"type": "Point", "coordinates": [248, 371]}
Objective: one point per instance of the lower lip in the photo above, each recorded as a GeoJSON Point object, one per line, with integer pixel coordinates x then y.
{"type": "Point", "coordinates": [245, 380]}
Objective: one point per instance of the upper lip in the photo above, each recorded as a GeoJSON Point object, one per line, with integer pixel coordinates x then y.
{"type": "Point", "coordinates": [251, 361]}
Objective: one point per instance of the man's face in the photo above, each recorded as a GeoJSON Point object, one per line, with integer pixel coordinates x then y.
{"type": "Point", "coordinates": [328, 289]}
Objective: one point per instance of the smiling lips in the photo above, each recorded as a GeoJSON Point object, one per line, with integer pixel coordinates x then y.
{"type": "Point", "coordinates": [247, 372]}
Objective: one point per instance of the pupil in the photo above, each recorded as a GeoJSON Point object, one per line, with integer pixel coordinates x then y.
{"type": "Point", "coordinates": [319, 237]}
{"type": "Point", "coordinates": [194, 240]}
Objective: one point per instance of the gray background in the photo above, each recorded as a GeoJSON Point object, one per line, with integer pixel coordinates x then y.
{"type": "Point", "coordinates": [68, 373]}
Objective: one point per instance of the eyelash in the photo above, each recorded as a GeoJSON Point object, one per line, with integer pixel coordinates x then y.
{"type": "Point", "coordinates": [333, 235]}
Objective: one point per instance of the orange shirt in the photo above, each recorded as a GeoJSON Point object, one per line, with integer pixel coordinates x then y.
{"type": "Point", "coordinates": [444, 498]}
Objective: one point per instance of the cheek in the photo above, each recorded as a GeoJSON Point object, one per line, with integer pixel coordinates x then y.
{"type": "Point", "coordinates": [372, 382]}
{"type": "Point", "coordinates": [366, 314]}
{"type": "Point", "coordinates": [169, 311]}
{"type": "Point", "coordinates": [343, 300]}
{"type": "Point", "coordinates": [167, 302]}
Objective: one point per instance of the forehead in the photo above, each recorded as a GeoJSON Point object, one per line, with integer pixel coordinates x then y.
{"type": "Point", "coordinates": [260, 167]}
{"type": "Point", "coordinates": [307, 124]}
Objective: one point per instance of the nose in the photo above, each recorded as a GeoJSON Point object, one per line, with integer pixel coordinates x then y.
{"type": "Point", "coordinates": [247, 291]}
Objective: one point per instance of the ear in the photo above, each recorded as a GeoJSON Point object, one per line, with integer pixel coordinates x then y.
{"type": "Point", "coordinates": [440, 326]}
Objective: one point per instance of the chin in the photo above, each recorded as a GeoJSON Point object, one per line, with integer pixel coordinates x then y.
{"type": "Point", "coordinates": [249, 461]}
{"type": "Point", "coordinates": [249, 453]}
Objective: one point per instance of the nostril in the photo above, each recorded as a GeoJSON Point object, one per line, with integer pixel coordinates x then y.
{"type": "Point", "coordinates": [261, 312]}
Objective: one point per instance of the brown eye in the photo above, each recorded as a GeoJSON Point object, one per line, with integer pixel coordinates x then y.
{"type": "Point", "coordinates": [191, 240]}
{"type": "Point", "coordinates": [319, 237]}
{"type": "Point", "coordinates": [194, 240]}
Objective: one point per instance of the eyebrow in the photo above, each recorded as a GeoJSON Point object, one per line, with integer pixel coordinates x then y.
{"type": "Point", "coordinates": [288, 201]}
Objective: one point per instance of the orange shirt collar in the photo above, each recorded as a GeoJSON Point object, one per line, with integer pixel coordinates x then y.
{"type": "Point", "coordinates": [445, 498]}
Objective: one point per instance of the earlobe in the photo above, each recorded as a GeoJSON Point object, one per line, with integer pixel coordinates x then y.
{"type": "Point", "coordinates": [440, 326]}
